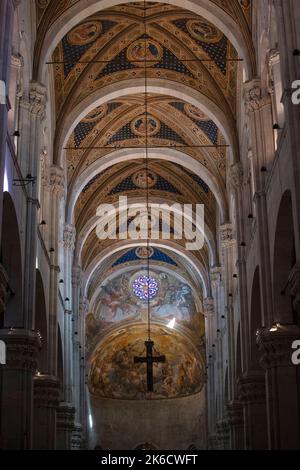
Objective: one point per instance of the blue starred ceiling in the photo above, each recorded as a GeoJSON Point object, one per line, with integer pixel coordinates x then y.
{"type": "Point", "coordinates": [156, 255]}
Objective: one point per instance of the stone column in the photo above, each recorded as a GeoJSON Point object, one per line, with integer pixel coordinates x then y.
{"type": "Point", "coordinates": [294, 290]}
{"type": "Point", "coordinates": [54, 186]}
{"type": "Point", "coordinates": [287, 16]}
{"type": "Point", "coordinates": [259, 109]}
{"type": "Point", "coordinates": [7, 8]}
{"type": "Point", "coordinates": [210, 328]}
{"type": "Point", "coordinates": [237, 183]}
{"type": "Point", "coordinates": [65, 426]}
{"type": "Point", "coordinates": [83, 311]}
{"type": "Point", "coordinates": [236, 425]}
{"type": "Point", "coordinates": [228, 244]}
{"type": "Point", "coordinates": [77, 437]}
{"type": "Point", "coordinates": [33, 112]}
{"type": "Point", "coordinates": [69, 237]}
{"type": "Point", "coordinates": [46, 399]}
{"type": "Point", "coordinates": [282, 385]}
{"type": "Point", "coordinates": [223, 434]}
{"type": "Point", "coordinates": [252, 393]}
{"type": "Point", "coordinates": [22, 348]}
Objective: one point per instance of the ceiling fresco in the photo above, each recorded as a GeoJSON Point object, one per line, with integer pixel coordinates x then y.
{"type": "Point", "coordinates": [180, 46]}
{"type": "Point", "coordinates": [169, 123]}
{"type": "Point", "coordinates": [125, 297]}
{"type": "Point", "coordinates": [113, 373]}
{"type": "Point", "coordinates": [166, 180]}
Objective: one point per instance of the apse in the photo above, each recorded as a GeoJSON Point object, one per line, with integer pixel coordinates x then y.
{"type": "Point", "coordinates": [117, 332]}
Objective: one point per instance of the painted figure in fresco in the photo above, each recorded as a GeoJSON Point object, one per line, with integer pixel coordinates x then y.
{"type": "Point", "coordinates": [145, 125]}
{"type": "Point", "coordinates": [115, 374]}
{"type": "Point", "coordinates": [85, 33]}
{"type": "Point", "coordinates": [144, 179]}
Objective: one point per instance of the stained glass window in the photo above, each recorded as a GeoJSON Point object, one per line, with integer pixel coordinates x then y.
{"type": "Point", "coordinates": [145, 287]}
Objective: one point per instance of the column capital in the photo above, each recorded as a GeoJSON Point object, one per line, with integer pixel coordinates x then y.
{"type": "Point", "coordinates": [65, 414]}
{"type": "Point", "coordinates": [209, 307]}
{"type": "Point", "coordinates": [83, 306]}
{"type": "Point", "coordinates": [252, 387]}
{"type": "Point", "coordinates": [22, 348]}
{"type": "Point", "coordinates": [37, 98]}
{"type": "Point", "coordinates": [76, 437]}
{"type": "Point", "coordinates": [254, 96]}
{"type": "Point", "coordinates": [46, 391]}
{"type": "Point", "coordinates": [275, 345]}
{"type": "Point", "coordinates": [227, 235]}
{"type": "Point", "coordinates": [236, 175]}
{"type": "Point", "coordinates": [235, 413]}
{"type": "Point", "coordinates": [216, 274]}
{"type": "Point", "coordinates": [55, 180]}
{"type": "Point", "coordinates": [69, 237]}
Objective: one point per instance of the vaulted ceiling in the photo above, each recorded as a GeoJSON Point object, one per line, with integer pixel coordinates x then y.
{"type": "Point", "coordinates": [132, 76]}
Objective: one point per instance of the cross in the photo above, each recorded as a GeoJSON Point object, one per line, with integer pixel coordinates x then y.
{"type": "Point", "coordinates": [149, 360]}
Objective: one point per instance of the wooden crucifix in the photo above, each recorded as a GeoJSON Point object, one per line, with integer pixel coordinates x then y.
{"type": "Point", "coordinates": [149, 360]}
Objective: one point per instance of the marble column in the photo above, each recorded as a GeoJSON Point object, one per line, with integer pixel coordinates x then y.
{"type": "Point", "coordinates": [223, 434]}
{"type": "Point", "coordinates": [22, 347]}
{"type": "Point", "coordinates": [65, 426]}
{"type": "Point", "coordinates": [228, 246]}
{"type": "Point", "coordinates": [46, 400]}
{"type": "Point", "coordinates": [282, 385]}
{"type": "Point", "coordinates": [259, 110]}
{"type": "Point", "coordinates": [236, 425]}
{"type": "Point", "coordinates": [33, 113]}
{"type": "Point", "coordinates": [252, 394]}
{"type": "Point", "coordinates": [210, 329]}
{"type": "Point", "coordinates": [7, 8]}
{"type": "Point", "coordinates": [287, 17]}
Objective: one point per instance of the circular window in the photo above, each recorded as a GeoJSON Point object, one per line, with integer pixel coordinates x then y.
{"type": "Point", "coordinates": [145, 288]}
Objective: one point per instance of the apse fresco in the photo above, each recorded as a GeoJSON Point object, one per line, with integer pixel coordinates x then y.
{"type": "Point", "coordinates": [125, 298]}
{"type": "Point", "coordinates": [114, 374]}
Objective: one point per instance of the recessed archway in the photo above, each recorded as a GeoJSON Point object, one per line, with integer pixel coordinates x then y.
{"type": "Point", "coordinates": [12, 262]}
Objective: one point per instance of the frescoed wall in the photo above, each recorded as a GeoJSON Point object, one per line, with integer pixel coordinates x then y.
{"type": "Point", "coordinates": [114, 373]}
{"type": "Point", "coordinates": [126, 298]}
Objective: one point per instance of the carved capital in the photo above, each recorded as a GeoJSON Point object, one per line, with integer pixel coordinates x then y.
{"type": "Point", "coordinates": [227, 235]}
{"type": "Point", "coordinates": [216, 276]}
{"type": "Point", "coordinates": [56, 180]}
{"type": "Point", "coordinates": [253, 96]}
{"type": "Point", "coordinates": [65, 414]}
{"type": "Point", "coordinates": [83, 306]}
{"type": "Point", "coordinates": [275, 345]}
{"type": "Point", "coordinates": [46, 391]}
{"type": "Point", "coordinates": [76, 437]}
{"type": "Point", "coordinates": [223, 432]}
{"type": "Point", "coordinates": [69, 237]}
{"type": "Point", "coordinates": [37, 99]}
{"type": "Point", "coordinates": [22, 348]}
{"type": "Point", "coordinates": [235, 413]}
{"type": "Point", "coordinates": [208, 307]}
{"type": "Point", "coordinates": [236, 175]}
{"type": "Point", "coordinates": [252, 387]}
